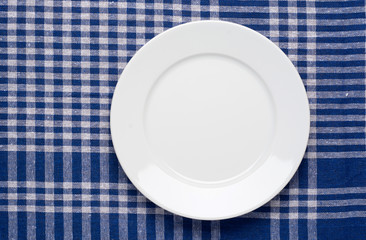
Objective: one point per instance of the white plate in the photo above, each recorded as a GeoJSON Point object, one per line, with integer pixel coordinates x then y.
{"type": "Point", "coordinates": [210, 120]}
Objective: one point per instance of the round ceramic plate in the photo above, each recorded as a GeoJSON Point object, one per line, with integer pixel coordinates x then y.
{"type": "Point", "coordinates": [210, 120]}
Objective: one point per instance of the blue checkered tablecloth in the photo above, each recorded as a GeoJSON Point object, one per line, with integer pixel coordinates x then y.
{"type": "Point", "coordinates": [59, 64]}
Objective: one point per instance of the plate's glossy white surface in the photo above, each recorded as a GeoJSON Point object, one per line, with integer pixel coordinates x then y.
{"type": "Point", "coordinates": [210, 120]}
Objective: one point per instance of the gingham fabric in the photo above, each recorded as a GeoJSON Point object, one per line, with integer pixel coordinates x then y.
{"type": "Point", "coordinates": [59, 64]}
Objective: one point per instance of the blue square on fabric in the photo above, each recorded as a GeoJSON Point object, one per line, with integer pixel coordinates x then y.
{"type": "Point", "coordinates": [76, 130]}
{"type": "Point", "coordinates": [21, 57]}
{"type": "Point", "coordinates": [112, 10]}
{"type": "Point", "coordinates": [40, 190]}
{"type": "Point", "coordinates": [95, 203]}
{"type": "Point", "coordinates": [113, 203]}
{"type": "Point", "coordinates": [245, 228]}
{"type": "Point", "coordinates": [94, 71]}
{"type": "Point", "coordinates": [94, 22]}
{"type": "Point", "coordinates": [21, 116]}
{"type": "Point", "coordinates": [57, 142]}
{"type": "Point", "coordinates": [94, 191]}
{"type": "Point", "coordinates": [39, 129]}
{"type": "Point", "coordinates": [3, 32]}
{"type": "Point", "coordinates": [21, 141]}
{"type": "Point", "coordinates": [21, 68]}
{"type": "Point", "coordinates": [113, 191]}
{"type": "Point", "coordinates": [58, 203]}
{"type": "Point", "coordinates": [58, 191]}
{"type": "Point", "coordinates": [58, 129]}
{"type": "Point", "coordinates": [148, 23]}
{"type": "Point", "coordinates": [21, 32]}
{"type": "Point", "coordinates": [21, 8]}
{"type": "Point", "coordinates": [39, 57]}
{"type": "Point", "coordinates": [57, 46]}
{"type": "Point", "coordinates": [57, 82]}
{"type": "Point", "coordinates": [39, 33]}
{"type": "Point", "coordinates": [21, 104]}
{"type": "Point", "coordinates": [21, 190]}
{"type": "Point", "coordinates": [57, 104]}
{"type": "Point", "coordinates": [75, 21]}
{"type": "Point", "coordinates": [57, 9]}
{"type": "Point", "coordinates": [131, 204]}
{"type": "Point", "coordinates": [76, 142]}
{"type": "Point", "coordinates": [94, 10]}
{"type": "Point", "coordinates": [131, 11]}
{"type": "Point", "coordinates": [76, 191]}
{"type": "Point", "coordinates": [112, 22]}
{"type": "Point", "coordinates": [76, 118]}
{"type": "Point", "coordinates": [40, 202]}
{"type": "Point", "coordinates": [21, 202]}
{"type": "Point", "coordinates": [39, 116]}
{"type": "Point", "coordinates": [76, 105]}
{"type": "Point", "coordinates": [132, 192]}
{"type": "Point", "coordinates": [94, 58]}
{"type": "Point", "coordinates": [94, 46]}
{"type": "Point", "coordinates": [57, 33]}
{"type": "Point", "coordinates": [21, 20]}
{"type": "Point", "coordinates": [168, 12]}
{"type": "Point", "coordinates": [150, 204]}
{"type": "Point", "coordinates": [112, 47]}
{"type": "Point", "coordinates": [40, 142]}
{"type": "Point", "coordinates": [348, 228]}
{"type": "Point", "coordinates": [95, 106]}
{"type": "Point", "coordinates": [39, 8]}
{"type": "Point", "coordinates": [21, 128]}
{"type": "Point", "coordinates": [21, 45]}
{"type": "Point", "coordinates": [75, 45]}
{"type": "Point", "coordinates": [76, 203]}
{"type": "Point", "coordinates": [39, 69]}
{"type": "Point", "coordinates": [76, 9]}
{"type": "Point", "coordinates": [38, 20]}
{"type": "Point", "coordinates": [113, 71]}
{"type": "Point", "coordinates": [341, 172]}
{"type": "Point", "coordinates": [94, 143]}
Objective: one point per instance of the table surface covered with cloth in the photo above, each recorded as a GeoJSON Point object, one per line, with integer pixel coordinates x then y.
{"type": "Point", "coordinates": [59, 64]}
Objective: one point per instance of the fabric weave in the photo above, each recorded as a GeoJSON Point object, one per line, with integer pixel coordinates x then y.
{"type": "Point", "coordinates": [59, 64]}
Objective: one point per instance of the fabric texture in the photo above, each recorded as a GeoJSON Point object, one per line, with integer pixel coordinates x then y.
{"type": "Point", "coordinates": [59, 64]}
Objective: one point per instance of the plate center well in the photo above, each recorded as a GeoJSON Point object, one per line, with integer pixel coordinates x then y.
{"type": "Point", "coordinates": [209, 118]}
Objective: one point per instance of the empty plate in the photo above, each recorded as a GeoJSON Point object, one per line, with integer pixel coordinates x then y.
{"type": "Point", "coordinates": [210, 120]}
